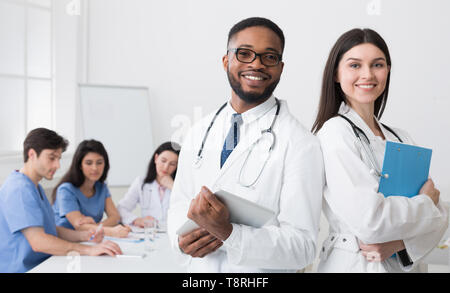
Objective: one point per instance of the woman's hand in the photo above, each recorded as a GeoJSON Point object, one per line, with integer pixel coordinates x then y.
{"type": "Point", "coordinates": [140, 222]}
{"type": "Point", "coordinates": [429, 189]}
{"type": "Point", "coordinates": [380, 251]}
{"type": "Point", "coordinates": [106, 247]}
{"type": "Point", "coordinates": [98, 236]}
{"type": "Point", "coordinates": [85, 220]}
{"type": "Point", "coordinates": [120, 231]}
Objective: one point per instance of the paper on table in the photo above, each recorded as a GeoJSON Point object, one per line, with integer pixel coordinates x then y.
{"type": "Point", "coordinates": [130, 255]}
{"type": "Point", "coordinates": [132, 237]}
{"type": "Point", "coordinates": [136, 229]}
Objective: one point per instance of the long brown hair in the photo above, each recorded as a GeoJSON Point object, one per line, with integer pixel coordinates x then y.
{"type": "Point", "coordinates": [331, 95]}
{"type": "Point", "coordinates": [75, 175]}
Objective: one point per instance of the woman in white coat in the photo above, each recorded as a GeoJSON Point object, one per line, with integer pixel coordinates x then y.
{"type": "Point", "coordinates": [368, 232]}
{"type": "Point", "coordinates": [152, 192]}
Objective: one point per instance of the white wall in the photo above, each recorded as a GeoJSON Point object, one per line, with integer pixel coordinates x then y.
{"type": "Point", "coordinates": [175, 48]}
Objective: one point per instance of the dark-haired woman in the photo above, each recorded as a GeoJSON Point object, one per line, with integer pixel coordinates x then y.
{"type": "Point", "coordinates": [82, 197]}
{"type": "Point", "coordinates": [152, 192]}
{"type": "Point", "coordinates": [368, 232]}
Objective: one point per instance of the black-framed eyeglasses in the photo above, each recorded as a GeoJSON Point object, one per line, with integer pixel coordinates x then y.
{"type": "Point", "coordinates": [245, 55]}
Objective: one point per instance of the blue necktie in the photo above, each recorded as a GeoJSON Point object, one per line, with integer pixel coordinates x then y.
{"type": "Point", "coordinates": [232, 138]}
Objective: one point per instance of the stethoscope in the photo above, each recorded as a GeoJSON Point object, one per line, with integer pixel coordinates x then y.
{"type": "Point", "coordinates": [268, 131]}
{"type": "Point", "coordinates": [367, 148]}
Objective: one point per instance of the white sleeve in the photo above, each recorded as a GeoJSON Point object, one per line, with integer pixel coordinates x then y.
{"type": "Point", "coordinates": [353, 195]}
{"type": "Point", "coordinates": [128, 203]}
{"type": "Point", "coordinates": [418, 247]}
{"type": "Point", "coordinates": [180, 198]}
{"type": "Point", "coordinates": [292, 244]}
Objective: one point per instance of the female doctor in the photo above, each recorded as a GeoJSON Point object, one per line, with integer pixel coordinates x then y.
{"type": "Point", "coordinates": [366, 228]}
{"type": "Point", "coordinates": [152, 192]}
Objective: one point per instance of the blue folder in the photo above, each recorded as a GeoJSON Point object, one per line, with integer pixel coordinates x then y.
{"type": "Point", "coordinates": [407, 167]}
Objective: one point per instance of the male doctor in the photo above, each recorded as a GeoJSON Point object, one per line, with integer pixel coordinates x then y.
{"type": "Point", "coordinates": [236, 157]}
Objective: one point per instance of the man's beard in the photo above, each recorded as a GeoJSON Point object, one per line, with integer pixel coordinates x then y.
{"type": "Point", "coordinates": [249, 97]}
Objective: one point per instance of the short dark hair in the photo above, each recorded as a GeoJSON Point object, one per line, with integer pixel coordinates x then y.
{"type": "Point", "coordinates": [40, 139]}
{"type": "Point", "coordinates": [256, 21]}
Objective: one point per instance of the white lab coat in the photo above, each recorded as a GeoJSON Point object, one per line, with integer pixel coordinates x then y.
{"type": "Point", "coordinates": [291, 184]}
{"type": "Point", "coordinates": [355, 210]}
{"type": "Point", "coordinates": [148, 199]}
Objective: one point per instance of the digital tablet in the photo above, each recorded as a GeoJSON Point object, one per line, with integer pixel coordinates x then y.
{"type": "Point", "coordinates": [242, 211]}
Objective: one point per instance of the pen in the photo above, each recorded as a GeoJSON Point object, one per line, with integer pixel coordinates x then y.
{"type": "Point", "coordinates": [96, 231]}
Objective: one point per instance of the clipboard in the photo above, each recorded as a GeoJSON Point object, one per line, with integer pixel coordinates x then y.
{"type": "Point", "coordinates": [242, 211]}
{"type": "Point", "coordinates": [405, 169]}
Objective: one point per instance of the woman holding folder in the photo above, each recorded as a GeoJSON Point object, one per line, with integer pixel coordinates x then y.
{"type": "Point", "coordinates": [368, 232]}
{"type": "Point", "coordinates": [81, 197]}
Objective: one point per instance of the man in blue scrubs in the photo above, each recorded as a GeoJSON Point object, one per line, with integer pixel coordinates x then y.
{"type": "Point", "coordinates": [28, 233]}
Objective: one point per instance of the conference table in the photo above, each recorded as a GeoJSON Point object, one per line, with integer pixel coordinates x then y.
{"type": "Point", "coordinates": [135, 259]}
{"type": "Point", "coordinates": [161, 260]}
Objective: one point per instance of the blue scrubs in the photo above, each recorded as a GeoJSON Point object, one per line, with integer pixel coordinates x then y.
{"type": "Point", "coordinates": [69, 198]}
{"type": "Point", "coordinates": [22, 205]}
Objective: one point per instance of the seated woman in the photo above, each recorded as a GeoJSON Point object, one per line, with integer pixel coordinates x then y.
{"type": "Point", "coordinates": [152, 192]}
{"type": "Point", "coordinates": [81, 197]}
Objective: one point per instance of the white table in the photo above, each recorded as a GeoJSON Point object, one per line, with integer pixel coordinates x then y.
{"type": "Point", "coordinates": [161, 260]}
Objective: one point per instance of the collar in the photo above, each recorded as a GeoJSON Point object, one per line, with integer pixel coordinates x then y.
{"type": "Point", "coordinates": [348, 112]}
{"type": "Point", "coordinates": [255, 112]}
{"type": "Point", "coordinates": [155, 185]}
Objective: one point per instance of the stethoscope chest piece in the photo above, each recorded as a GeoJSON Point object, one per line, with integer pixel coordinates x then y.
{"type": "Point", "coordinates": [198, 162]}
{"type": "Point", "coordinates": [256, 159]}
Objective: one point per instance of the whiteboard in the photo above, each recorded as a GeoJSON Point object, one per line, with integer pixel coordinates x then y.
{"type": "Point", "coordinates": [119, 117]}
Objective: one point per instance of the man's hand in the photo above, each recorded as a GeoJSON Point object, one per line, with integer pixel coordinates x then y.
{"type": "Point", "coordinates": [199, 243]}
{"type": "Point", "coordinates": [105, 248]}
{"type": "Point", "coordinates": [210, 213]}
